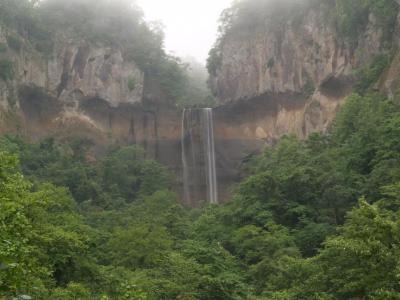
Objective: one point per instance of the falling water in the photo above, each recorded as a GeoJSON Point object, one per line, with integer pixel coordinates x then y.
{"type": "Point", "coordinates": [210, 151]}
{"type": "Point", "coordinates": [198, 156]}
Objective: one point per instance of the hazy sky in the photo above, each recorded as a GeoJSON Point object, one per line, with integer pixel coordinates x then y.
{"type": "Point", "coordinates": [190, 25]}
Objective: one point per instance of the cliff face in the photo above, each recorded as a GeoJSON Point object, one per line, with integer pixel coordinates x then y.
{"type": "Point", "coordinates": [76, 70]}
{"type": "Point", "coordinates": [304, 51]}
{"type": "Point", "coordinates": [289, 78]}
{"type": "Point", "coordinates": [302, 54]}
{"type": "Point", "coordinates": [301, 71]}
{"type": "Point", "coordinates": [86, 90]}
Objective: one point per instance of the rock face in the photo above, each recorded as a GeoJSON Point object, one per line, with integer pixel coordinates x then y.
{"type": "Point", "coordinates": [287, 79]}
{"type": "Point", "coordinates": [299, 72]}
{"type": "Point", "coordinates": [77, 70]}
{"type": "Point", "coordinates": [300, 56]}
{"type": "Point", "coordinates": [87, 90]}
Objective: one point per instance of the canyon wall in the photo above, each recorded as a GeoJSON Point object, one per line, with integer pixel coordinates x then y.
{"type": "Point", "coordinates": [289, 78]}
{"type": "Point", "coordinates": [86, 90]}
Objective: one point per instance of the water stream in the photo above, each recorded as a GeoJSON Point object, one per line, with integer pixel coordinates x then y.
{"type": "Point", "coordinates": [198, 156]}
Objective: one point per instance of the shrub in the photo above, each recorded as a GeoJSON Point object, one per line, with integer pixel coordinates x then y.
{"type": "Point", "coordinates": [352, 16]}
{"type": "Point", "coordinates": [309, 88]}
{"type": "Point", "coordinates": [369, 74]}
{"type": "Point", "coordinates": [131, 84]}
{"type": "Point", "coordinates": [270, 63]}
{"type": "Point", "coordinates": [214, 59]}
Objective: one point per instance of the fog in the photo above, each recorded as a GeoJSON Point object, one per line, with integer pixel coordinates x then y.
{"type": "Point", "coordinates": [190, 25]}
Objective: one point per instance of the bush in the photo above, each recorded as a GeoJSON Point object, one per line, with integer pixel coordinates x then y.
{"type": "Point", "coordinates": [353, 16]}
{"type": "Point", "coordinates": [270, 63]}
{"type": "Point", "coordinates": [368, 75]}
{"type": "Point", "coordinates": [131, 84]}
{"type": "Point", "coordinates": [309, 88]}
{"type": "Point", "coordinates": [214, 60]}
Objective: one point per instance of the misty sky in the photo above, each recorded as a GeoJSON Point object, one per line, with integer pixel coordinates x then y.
{"type": "Point", "coordinates": [190, 25]}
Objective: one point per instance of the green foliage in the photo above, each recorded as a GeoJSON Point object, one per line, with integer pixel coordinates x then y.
{"type": "Point", "coordinates": [22, 17]}
{"type": "Point", "coordinates": [361, 262]}
{"type": "Point", "coordinates": [17, 14]}
{"type": "Point", "coordinates": [353, 16]}
{"type": "Point", "coordinates": [369, 74]}
{"type": "Point", "coordinates": [72, 291]}
{"type": "Point", "coordinates": [6, 69]}
{"type": "Point", "coordinates": [172, 78]}
{"type": "Point", "coordinates": [41, 233]}
{"type": "Point", "coordinates": [131, 84]}
{"type": "Point", "coordinates": [125, 170]}
{"type": "Point", "coordinates": [309, 88]}
{"type": "Point", "coordinates": [270, 63]}
{"type": "Point", "coordinates": [370, 235]}
{"type": "Point", "coordinates": [247, 15]}
{"type": "Point", "coordinates": [197, 92]}
{"type": "Point", "coordinates": [139, 247]}
{"type": "Point", "coordinates": [122, 174]}
{"type": "Point", "coordinates": [130, 240]}
{"type": "Point", "coordinates": [214, 60]}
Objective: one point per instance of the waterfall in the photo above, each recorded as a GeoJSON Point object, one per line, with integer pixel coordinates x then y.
{"type": "Point", "coordinates": [210, 151]}
{"type": "Point", "coordinates": [198, 156]}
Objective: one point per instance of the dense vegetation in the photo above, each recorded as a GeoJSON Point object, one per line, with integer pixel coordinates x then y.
{"type": "Point", "coordinates": [352, 17]}
{"type": "Point", "coordinates": [116, 232]}
{"type": "Point", "coordinates": [300, 196]}
{"type": "Point", "coordinates": [198, 92]}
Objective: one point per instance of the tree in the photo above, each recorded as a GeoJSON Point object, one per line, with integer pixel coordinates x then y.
{"type": "Point", "coordinates": [41, 235]}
